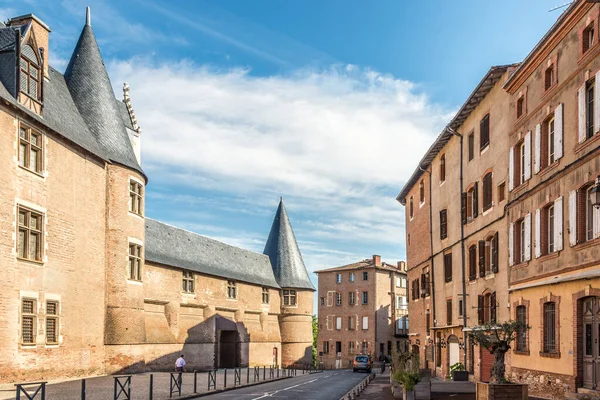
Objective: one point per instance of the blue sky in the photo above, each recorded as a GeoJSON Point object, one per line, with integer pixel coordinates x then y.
{"type": "Point", "coordinates": [329, 104]}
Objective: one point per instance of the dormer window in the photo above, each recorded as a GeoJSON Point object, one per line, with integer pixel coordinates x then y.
{"type": "Point", "coordinates": [30, 77]}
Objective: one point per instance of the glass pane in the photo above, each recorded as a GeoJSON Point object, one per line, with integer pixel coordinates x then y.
{"type": "Point", "coordinates": [34, 139]}
{"type": "Point", "coordinates": [23, 133]}
{"type": "Point", "coordinates": [34, 222]}
{"type": "Point", "coordinates": [22, 218]}
{"type": "Point", "coordinates": [22, 155]}
{"type": "Point", "coordinates": [28, 306]}
{"type": "Point", "coordinates": [21, 246]}
{"type": "Point", "coordinates": [33, 88]}
{"type": "Point", "coordinates": [33, 159]}
{"type": "Point", "coordinates": [588, 339]}
{"type": "Point", "coordinates": [28, 330]}
{"type": "Point", "coordinates": [51, 308]}
{"type": "Point", "coordinates": [34, 246]}
{"type": "Point", "coordinates": [23, 82]}
{"type": "Point", "coordinates": [34, 72]}
{"type": "Point", "coordinates": [51, 336]}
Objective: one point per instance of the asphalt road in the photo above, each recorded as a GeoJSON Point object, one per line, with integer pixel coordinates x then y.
{"type": "Point", "coordinates": [328, 385]}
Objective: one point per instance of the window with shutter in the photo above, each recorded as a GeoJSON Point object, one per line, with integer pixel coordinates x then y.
{"type": "Point", "coordinates": [475, 199]}
{"type": "Point", "coordinates": [443, 168]}
{"type": "Point", "coordinates": [443, 224]}
{"type": "Point", "coordinates": [521, 313]}
{"type": "Point", "coordinates": [481, 258]}
{"type": "Point", "coordinates": [495, 261]}
{"type": "Point", "coordinates": [493, 308]}
{"type": "Point", "coordinates": [484, 132]}
{"type": "Point", "coordinates": [448, 267]}
{"type": "Point", "coordinates": [471, 144]}
{"type": "Point", "coordinates": [472, 263]}
{"type": "Point", "coordinates": [480, 307]}
{"type": "Point", "coordinates": [558, 224]}
{"type": "Point", "coordinates": [549, 328]}
{"type": "Point", "coordinates": [487, 191]}
{"type": "Point", "coordinates": [449, 312]}
{"type": "Point", "coordinates": [30, 73]}
{"type": "Point", "coordinates": [463, 207]}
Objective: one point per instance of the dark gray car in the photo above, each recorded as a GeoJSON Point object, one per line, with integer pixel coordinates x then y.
{"type": "Point", "coordinates": [362, 363]}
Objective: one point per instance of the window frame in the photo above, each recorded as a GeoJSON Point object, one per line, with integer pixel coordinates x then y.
{"type": "Point", "coordinates": [351, 298]}
{"type": "Point", "coordinates": [26, 73]}
{"type": "Point", "coordinates": [590, 105]}
{"type": "Point", "coordinates": [232, 291]}
{"type": "Point", "coordinates": [449, 312]}
{"type": "Point", "coordinates": [338, 299]}
{"type": "Point", "coordinates": [365, 298]}
{"type": "Point", "coordinates": [521, 342]}
{"type": "Point", "coordinates": [443, 168]}
{"type": "Point", "coordinates": [28, 232]}
{"type": "Point", "coordinates": [520, 106]}
{"type": "Point", "coordinates": [351, 277]}
{"type": "Point", "coordinates": [289, 297]}
{"type": "Point", "coordinates": [136, 197]}
{"type": "Point", "coordinates": [443, 224]}
{"type": "Point", "coordinates": [471, 146]}
{"type": "Point", "coordinates": [27, 146]}
{"type": "Point", "coordinates": [53, 318]}
{"type": "Point", "coordinates": [188, 282]}
{"type": "Point", "coordinates": [484, 132]}
{"type": "Point", "coordinates": [365, 275]}
{"type": "Point", "coordinates": [421, 192]}
{"type": "Point", "coordinates": [549, 328]}
{"type": "Point", "coordinates": [29, 316]}
{"type": "Point", "coordinates": [134, 272]}
{"type": "Point", "coordinates": [265, 298]}
{"type": "Point", "coordinates": [487, 184]}
{"type": "Point", "coordinates": [448, 267]}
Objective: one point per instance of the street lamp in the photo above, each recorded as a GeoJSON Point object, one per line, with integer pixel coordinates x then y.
{"type": "Point", "coordinates": [595, 193]}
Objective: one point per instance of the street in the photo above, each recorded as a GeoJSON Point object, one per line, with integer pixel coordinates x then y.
{"type": "Point", "coordinates": [326, 385]}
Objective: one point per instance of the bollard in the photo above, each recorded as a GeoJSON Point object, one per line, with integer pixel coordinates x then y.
{"type": "Point", "coordinates": [195, 381]}
{"type": "Point", "coordinates": [264, 373]}
{"type": "Point", "coordinates": [225, 378]}
{"type": "Point", "coordinates": [83, 389]}
{"type": "Point", "coordinates": [248, 374]}
{"type": "Point", "coordinates": [151, 390]}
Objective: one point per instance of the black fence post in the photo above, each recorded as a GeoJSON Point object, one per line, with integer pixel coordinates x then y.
{"type": "Point", "coordinates": [225, 378]}
{"type": "Point", "coordinates": [151, 389]}
{"type": "Point", "coordinates": [248, 374]}
{"type": "Point", "coordinates": [122, 386]}
{"type": "Point", "coordinates": [195, 381]}
{"type": "Point", "coordinates": [83, 389]}
{"type": "Point", "coordinates": [264, 373]}
{"type": "Point", "coordinates": [39, 389]}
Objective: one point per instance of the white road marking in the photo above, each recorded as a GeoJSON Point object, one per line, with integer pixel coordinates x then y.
{"type": "Point", "coordinates": [270, 394]}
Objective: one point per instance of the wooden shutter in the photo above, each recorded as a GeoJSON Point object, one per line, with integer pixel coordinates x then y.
{"type": "Point", "coordinates": [597, 103]}
{"type": "Point", "coordinates": [495, 266]}
{"type": "Point", "coordinates": [558, 224]}
{"type": "Point", "coordinates": [527, 150]}
{"type": "Point", "coordinates": [581, 105]}
{"type": "Point", "coordinates": [528, 237]}
{"type": "Point", "coordinates": [537, 157]}
{"type": "Point", "coordinates": [558, 131]}
{"type": "Point", "coordinates": [475, 199]}
{"type": "Point", "coordinates": [480, 306]}
{"type": "Point", "coordinates": [511, 232]}
{"type": "Point", "coordinates": [511, 169]}
{"type": "Point", "coordinates": [463, 207]}
{"type": "Point", "coordinates": [537, 241]}
{"type": "Point", "coordinates": [573, 217]}
{"type": "Point", "coordinates": [493, 307]}
{"type": "Point", "coordinates": [481, 258]}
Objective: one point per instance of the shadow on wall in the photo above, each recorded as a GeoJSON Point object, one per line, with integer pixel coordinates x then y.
{"type": "Point", "coordinates": [384, 332]}
{"type": "Point", "coordinates": [217, 342]}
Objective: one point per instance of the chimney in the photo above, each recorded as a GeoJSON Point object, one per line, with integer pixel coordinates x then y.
{"type": "Point", "coordinates": [402, 266]}
{"type": "Point", "coordinates": [40, 31]}
{"type": "Point", "coordinates": [377, 260]}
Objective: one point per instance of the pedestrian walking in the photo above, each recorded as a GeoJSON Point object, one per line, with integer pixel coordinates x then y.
{"type": "Point", "coordinates": [180, 367]}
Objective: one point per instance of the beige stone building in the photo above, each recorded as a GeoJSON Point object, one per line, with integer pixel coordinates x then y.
{"type": "Point", "coordinates": [92, 286]}
{"type": "Point", "coordinates": [518, 217]}
{"type": "Point", "coordinates": [362, 310]}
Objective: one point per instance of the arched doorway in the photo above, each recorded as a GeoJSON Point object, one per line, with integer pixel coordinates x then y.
{"type": "Point", "coordinates": [453, 350]}
{"type": "Point", "coordinates": [591, 342]}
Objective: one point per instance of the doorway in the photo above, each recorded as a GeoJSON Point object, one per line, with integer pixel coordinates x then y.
{"type": "Point", "coordinates": [228, 349]}
{"type": "Point", "coordinates": [453, 350]}
{"type": "Point", "coordinates": [591, 342]}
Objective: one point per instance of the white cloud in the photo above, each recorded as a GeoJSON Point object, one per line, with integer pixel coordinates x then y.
{"type": "Point", "coordinates": [337, 144]}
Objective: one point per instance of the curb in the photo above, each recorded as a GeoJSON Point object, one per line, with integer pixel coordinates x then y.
{"type": "Point", "coordinates": [355, 391]}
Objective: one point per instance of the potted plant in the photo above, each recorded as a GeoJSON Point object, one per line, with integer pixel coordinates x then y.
{"type": "Point", "coordinates": [406, 374]}
{"type": "Point", "coordinates": [496, 338]}
{"type": "Point", "coordinates": [458, 372]}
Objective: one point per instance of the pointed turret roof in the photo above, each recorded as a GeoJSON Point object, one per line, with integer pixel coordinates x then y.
{"type": "Point", "coordinates": [284, 253]}
{"type": "Point", "coordinates": [92, 92]}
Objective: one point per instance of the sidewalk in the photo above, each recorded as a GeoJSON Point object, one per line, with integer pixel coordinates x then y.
{"type": "Point", "coordinates": [102, 387]}
{"type": "Point", "coordinates": [379, 388]}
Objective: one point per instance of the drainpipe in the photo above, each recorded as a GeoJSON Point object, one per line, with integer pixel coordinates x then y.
{"type": "Point", "coordinates": [431, 255]}
{"type": "Point", "coordinates": [462, 246]}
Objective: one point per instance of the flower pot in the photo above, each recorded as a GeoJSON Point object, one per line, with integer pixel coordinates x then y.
{"type": "Point", "coordinates": [408, 394]}
{"type": "Point", "coordinates": [504, 391]}
{"type": "Point", "coordinates": [460, 376]}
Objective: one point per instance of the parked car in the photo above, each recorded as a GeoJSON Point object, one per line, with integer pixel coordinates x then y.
{"type": "Point", "coordinates": [362, 363]}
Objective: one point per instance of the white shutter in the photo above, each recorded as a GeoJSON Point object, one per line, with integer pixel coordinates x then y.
{"type": "Point", "coordinates": [511, 169]}
{"type": "Point", "coordinates": [365, 322]}
{"type": "Point", "coordinates": [581, 101]}
{"type": "Point", "coordinates": [538, 236]}
{"type": "Point", "coordinates": [338, 323]}
{"type": "Point", "coordinates": [596, 104]}
{"type": "Point", "coordinates": [558, 224]}
{"type": "Point", "coordinates": [528, 156]}
{"type": "Point", "coordinates": [511, 231]}
{"type": "Point", "coordinates": [528, 237]}
{"type": "Point", "coordinates": [558, 132]}
{"type": "Point", "coordinates": [537, 162]}
{"type": "Point", "coordinates": [573, 217]}
{"type": "Point", "coordinates": [596, 227]}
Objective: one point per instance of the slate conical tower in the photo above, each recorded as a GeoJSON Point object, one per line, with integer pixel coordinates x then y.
{"type": "Point", "coordinates": [92, 93]}
{"type": "Point", "coordinates": [297, 291]}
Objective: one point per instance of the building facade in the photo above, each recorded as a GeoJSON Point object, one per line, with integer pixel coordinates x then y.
{"type": "Point", "coordinates": [514, 231]}
{"type": "Point", "coordinates": [362, 310]}
{"type": "Point", "coordinates": [90, 284]}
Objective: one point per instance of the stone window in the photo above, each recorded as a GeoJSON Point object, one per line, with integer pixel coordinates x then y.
{"type": "Point", "coordinates": [30, 235]}
{"type": "Point", "coordinates": [265, 295]}
{"type": "Point", "coordinates": [442, 168]}
{"type": "Point", "coordinates": [52, 324]}
{"type": "Point", "coordinates": [338, 278]}
{"type": "Point", "coordinates": [549, 328]}
{"type": "Point", "coordinates": [135, 262]}
{"type": "Point", "coordinates": [443, 224]}
{"type": "Point", "coordinates": [486, 308]}
{"type": "Point", "coordinates": [460, 307]}
{"type": "Point", "coordinates": [188, 282]}
{"type": "Point", "coordinates": [28, 321]}
{"type": "Point", "coordinates": [135, 197]}
{"type": "Point", "coordinates": [351, 298]}
{"type": "Point", "coordinates": [448, 267]}
{"type": "Point", "coordinates": [484, 132]}
{"type": "Point", "coordinates": [470, 203]}
{"type": "Point", "coordinates": [231, 289]}
{"type": "Point", "coordinates": [365, 276]}
{"type": "Point", "coordinates": [31, 154]}
{"type": "Point", "coordinates": [521, 316]}
{"type": "Point", "coordinates": [338, 299]}
{"type": "Point", "coordinates": [30, 73]}
{"type": "Point", "coordinates": [365, 297]}
{"type": "Point", "coordinates": [289, 297]}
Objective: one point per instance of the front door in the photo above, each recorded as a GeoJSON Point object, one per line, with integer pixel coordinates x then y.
{"type": "Point", "coordinates": [591, 342]}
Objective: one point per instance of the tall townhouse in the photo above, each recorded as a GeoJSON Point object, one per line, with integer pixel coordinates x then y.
{"type": "Point", "coordinates": [89, 284]}
{"type": "Point", "coordinates": [362, 310]}
{"type": "Point", "coordinates": [464, 280]}
{"type": "Point", "coordinates": [553, 222]}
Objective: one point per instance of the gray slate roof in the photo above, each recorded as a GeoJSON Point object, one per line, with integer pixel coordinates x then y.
{"type": "Point", "coordinates": [284, 253]}
{"type": "Point", "coordinates": [90, 87]}
{"type": "Point", "coordinates": [176, 247]}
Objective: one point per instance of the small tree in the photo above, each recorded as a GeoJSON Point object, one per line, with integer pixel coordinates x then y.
{"type": "Point", "coordinates": [496, 338]}
{"type": "Point", "coordinates": [405, 369]}
{"type": "Point", "coordinates": [315, 332]}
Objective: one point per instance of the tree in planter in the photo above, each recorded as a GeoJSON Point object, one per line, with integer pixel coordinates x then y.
{"type": "Point", "coordinates": [496, 338]}
{"type": "Point", "coordinates": [405, 369]}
